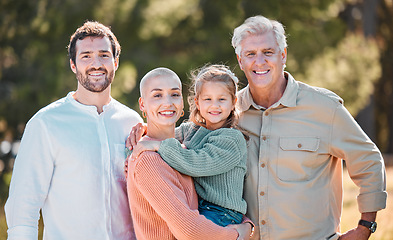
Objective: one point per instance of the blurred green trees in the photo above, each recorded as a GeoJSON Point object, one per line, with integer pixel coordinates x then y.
{"type": "Point", "coordinates": [326, 42]}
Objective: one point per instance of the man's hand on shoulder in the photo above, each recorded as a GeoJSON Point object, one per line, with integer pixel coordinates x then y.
{"type": "Point", "coordinates": [137, 132]}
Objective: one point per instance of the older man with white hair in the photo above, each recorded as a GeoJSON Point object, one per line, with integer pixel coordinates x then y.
{"type": "Point", "coordinates": [299, 135]}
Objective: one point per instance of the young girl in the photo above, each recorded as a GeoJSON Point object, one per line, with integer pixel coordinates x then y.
{"type": "Point", "coordinates": [216, 152]}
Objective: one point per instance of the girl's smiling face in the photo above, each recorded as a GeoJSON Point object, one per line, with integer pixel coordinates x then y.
{"type": "Point", "coordinates": [215, 104]}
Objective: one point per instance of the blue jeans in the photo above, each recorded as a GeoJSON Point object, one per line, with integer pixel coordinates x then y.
{"type": "Point", "coordinates": [219, 215]}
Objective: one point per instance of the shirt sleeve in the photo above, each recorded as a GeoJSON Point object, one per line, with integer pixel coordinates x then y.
{"type": "Point", "coordinates": [30, 182]}
{"type": "Point", "coordinates": [219, 154]}
{"type": "Point", "coordinates": [164, 192]}
{"type": "Point", "coordinates": [363, 160]}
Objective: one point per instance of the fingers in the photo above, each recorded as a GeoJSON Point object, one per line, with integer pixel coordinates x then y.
{"type": "Point", "coordinates": [135, 154]}
{"type": "Point", "coordinates": [141, 130]}
{"type": "Point", "coordinates": [126, 168]}
{"type": "Point", "coordinates": [132, 139]}
{"type": "Point", "coordinates": [136, 134]}
{"type": "Point", "coordinates": [128, 142]}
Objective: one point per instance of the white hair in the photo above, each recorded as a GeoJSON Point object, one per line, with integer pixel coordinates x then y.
{"type": "Point", "coordinates": [255, 26]}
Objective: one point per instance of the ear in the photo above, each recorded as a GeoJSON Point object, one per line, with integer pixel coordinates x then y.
{"type": "Point", "coordinates": [239, 60]}
{"type": "Point", "coordinates": [284, 56]}
{"type": "Point", "coordinates": [72, 65]}
{"type": "Point", "coordinates": [234, 103]}
{"type": "Point", "coordinates": [141, 104]}
{"type": "Point", "coordinates": [196, 103]}
{"type": "Point", "coordinates": [116, 63]}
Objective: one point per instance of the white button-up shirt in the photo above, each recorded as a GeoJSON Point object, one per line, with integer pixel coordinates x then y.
{"type": "Point", "coordinates": [70, 165]}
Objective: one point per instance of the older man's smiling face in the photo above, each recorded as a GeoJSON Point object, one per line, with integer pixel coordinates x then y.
{"type": "Point", "coordinates": [262, 61]}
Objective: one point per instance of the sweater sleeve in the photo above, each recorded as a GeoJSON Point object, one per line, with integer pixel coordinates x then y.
{"type": "Point", "coordinates": [181, 130]}
{"type": "Point", "coordinates": [221, 150]}
{"type": "Point", "coordinates": [162, 188]}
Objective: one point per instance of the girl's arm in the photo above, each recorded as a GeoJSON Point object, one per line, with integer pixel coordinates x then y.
{"type": "Point", "coordinates": [223, 151]}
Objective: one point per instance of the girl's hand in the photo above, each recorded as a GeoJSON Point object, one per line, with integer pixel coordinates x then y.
{"type": "Point", "coordinates": [143, 146]}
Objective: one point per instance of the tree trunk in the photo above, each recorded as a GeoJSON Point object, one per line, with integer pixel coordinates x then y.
{"type": "Point", "coordinates": [384, 87]}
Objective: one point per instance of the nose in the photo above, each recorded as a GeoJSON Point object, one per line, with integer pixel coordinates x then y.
{"type": "Point", "coordinates": [96, 62]}
{"type": "Point", "coordinates": [167, 100]}
{"type": "Point", "coordinates": [216, 103]}
{"type": "Point", "coordinates": [260, 59]}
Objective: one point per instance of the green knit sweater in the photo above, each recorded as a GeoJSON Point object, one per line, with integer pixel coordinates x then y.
{"type": "Point", "coordinates": [215, 159]}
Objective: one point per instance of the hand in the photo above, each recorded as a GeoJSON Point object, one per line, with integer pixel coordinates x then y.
{"type": "Point", "coordinates": [143, 146]}
{"type": "Point", "coordinates": [359, 233]}
{"type": "Point", "coordinates": [126, 167]}
{"type": "Point", "coordinates": [243, 229]}
{"type": "Point", "coordinates": [136, 134]}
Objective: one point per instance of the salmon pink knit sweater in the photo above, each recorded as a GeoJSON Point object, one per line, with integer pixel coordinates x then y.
{"type": "Point", "coordinates": [164, 204]}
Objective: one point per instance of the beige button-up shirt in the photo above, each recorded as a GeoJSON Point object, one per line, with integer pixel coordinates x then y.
{"type": "Point", "coordinates": [293, 187]}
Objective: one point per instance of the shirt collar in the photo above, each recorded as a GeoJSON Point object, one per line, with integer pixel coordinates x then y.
{"type": "Point", "coordinates": [288, 99]}
{"type": "Point", "coordinates": [89, 108]}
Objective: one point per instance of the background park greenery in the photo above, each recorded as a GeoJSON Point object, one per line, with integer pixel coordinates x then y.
{"type": "Point", "coordinates": [343, 45]}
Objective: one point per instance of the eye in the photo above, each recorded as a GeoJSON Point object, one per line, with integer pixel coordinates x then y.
{"type": "Point", "coordinates": [250, 54]}
{"type": "Point", "coordinates": [85, 56]}
{"type": "Point", "coordinates": [223, 99]}
{"type": "Point", "coordinates": [105, 55]}
{"type": "Point", "coordinates": [176, 94]}
{"type": "Point", "coordinates": [269, 53]}
{"type": "Point", "coordinates": [157, 95]}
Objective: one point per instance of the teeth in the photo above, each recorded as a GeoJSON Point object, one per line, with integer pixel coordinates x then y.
{"type": "Point", "coordinates": [263, 72]}
{"type": "Point", "coordinates": [96, 74]}
{"type": "Point", "coordinates": [167, 112]}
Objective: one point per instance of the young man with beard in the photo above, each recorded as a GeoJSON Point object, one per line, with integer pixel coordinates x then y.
{"type": "Point", "coordinates": [70, 162]}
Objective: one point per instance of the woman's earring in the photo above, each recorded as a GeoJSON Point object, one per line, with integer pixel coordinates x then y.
{"type": "Point", "coordinates": [144, 114]}
{"type": "Point", "coordinates": [182, 113]}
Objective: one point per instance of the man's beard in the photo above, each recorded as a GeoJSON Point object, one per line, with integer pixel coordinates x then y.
{"type": "Point", "coordinates": [94, 86]}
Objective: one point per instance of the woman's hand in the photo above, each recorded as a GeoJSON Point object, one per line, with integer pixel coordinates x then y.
{"type": "Point", "coordinates": [143, 146]}
{"type": "Point", "coordinates": [126, 166]}
{"type": "Point", "coordinates": [137, 132]}
{"type": "Point", "coordinates": [244, 230]}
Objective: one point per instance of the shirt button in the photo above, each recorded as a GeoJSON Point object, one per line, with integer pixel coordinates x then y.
{"type": "Point", "coordinates": [264, 138]}
{"type": "Point", "coordinates": [263, 222]}
{"type": "Point", "coordinates": [263, 165]}
{"type": "Point", "coordinates": [299, 145]}
{"type": "Point", "coordinates": [262, 193]}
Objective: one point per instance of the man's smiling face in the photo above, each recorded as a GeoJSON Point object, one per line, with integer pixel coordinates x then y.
{"type": "Point", "coordinates": [262, 61]}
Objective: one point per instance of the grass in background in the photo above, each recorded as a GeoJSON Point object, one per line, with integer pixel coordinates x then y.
{"type": "Point", "coordinates": [349, 219]}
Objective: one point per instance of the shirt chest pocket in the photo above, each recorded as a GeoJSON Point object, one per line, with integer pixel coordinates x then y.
{"type": "Point", "coordinates": [297, 158]}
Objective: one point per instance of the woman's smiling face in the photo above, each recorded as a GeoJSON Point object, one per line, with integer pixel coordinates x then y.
{"type": "Point", "coordinates": [162, 101]}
